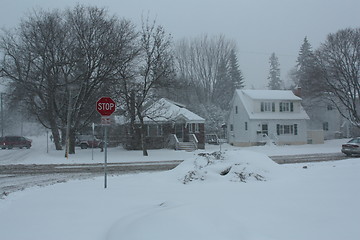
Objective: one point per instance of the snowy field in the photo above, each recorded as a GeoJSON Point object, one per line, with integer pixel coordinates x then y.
{"type": "Point", "coordinates": [240, 194]}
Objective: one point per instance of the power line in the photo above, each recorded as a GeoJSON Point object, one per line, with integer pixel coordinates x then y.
{"type": "Point", "coordinates": [268, 53]}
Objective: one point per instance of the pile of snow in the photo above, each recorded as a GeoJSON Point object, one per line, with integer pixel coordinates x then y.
{"type": "Point", "coordinates": [234, 166]}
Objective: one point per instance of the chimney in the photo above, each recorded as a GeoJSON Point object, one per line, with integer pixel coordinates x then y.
{"type": "Point", "coordinates": [297, 91]}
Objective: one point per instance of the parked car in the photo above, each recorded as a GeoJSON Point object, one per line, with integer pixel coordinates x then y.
{"type": "Point", "coordinates": [351, 147]}
{"type": "Point", "coordinates": [211, 139]}
{"type": "Point", "coordinates": [10, 142]}
{"type": "Point", "coordinates": [88, 141]}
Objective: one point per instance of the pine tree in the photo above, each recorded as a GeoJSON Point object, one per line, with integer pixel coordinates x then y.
{"type": "Point", "coordinates": [275, 83]}
{"type": "Point", "coordinates": [306, 69]}
{"type": "Point", "coordinates": [234, 71]}
{"type": "Point", "coordinates": [224, 87]}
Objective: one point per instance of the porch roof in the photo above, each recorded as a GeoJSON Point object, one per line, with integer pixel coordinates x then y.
{"type": "Point", "coordinates": [165, 110]}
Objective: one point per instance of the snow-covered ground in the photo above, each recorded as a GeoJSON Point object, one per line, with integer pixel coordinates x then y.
{"type": "Point", "coordinates": [42, 152]}
{"type": "Point", "coordinates": [239, 194]}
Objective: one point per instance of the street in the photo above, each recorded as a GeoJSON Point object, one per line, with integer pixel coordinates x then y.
{"type": "Point", "coordinates": [17, 177]}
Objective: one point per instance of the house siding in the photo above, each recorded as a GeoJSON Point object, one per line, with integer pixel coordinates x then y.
{"type": "Point", "coordinates": [255, 134]}
{"type": "Point", "coordinates": [238, 121]}
{"type": "Point", "coordinates": [337, 125]}
{"type": "Point", "coordinates": [159, 142]}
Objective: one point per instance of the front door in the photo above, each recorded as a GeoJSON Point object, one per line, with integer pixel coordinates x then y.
{"type": "Point", "coordinates": [179, 131]}
{"type": "Point", "coordinates": [264, 129]}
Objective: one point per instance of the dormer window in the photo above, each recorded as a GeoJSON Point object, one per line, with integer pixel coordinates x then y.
{"type": "Point", "coordinates": [286, 107]}
{"type": "Point", "coordinates": [267, 107]}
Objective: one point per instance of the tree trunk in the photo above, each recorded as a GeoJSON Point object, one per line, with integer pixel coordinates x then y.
{"type": "Point", "coordinates": [143, 134]}
{"type": "Point", "coordinates": [72, 141]}
{"type": "Point", "coordinates": [56, 135]}
{"type": "Point", "coordinates": [63, 136]}
{"type": "Point", "coordinates": [132, 131]}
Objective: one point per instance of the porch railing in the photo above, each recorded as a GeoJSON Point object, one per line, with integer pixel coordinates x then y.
{"type": "Point", "coordinates": [174, 141]}
{"type": "Point", "coordinates": [193, 138]}
{"type": "Point", "coordinates": [265, 138]}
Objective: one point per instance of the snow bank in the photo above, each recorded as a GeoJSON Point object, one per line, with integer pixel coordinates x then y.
{"type": "Point", "coordinates": [235, 166]}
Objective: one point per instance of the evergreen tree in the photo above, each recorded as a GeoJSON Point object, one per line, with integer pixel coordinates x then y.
{"type": "Point", "coordinates": [306, 70]}
{"type": "Point", "coordinates": [305, 54]}
{"type": "Point", "coordinates": [223, 89]}
{"type": "Point", "coordinates": [236, 76]}
{"type": "Point", "coordinates": [275, 83]}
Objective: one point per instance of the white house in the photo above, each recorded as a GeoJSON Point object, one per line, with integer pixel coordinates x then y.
{"type": "Point", "coordinates": [258, 116]}
{"type": "Point", "coordinates": [326, 117]}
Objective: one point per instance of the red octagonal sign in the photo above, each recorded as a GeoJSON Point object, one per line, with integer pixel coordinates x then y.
{"type": "Point", "coordinates": [105, 106]}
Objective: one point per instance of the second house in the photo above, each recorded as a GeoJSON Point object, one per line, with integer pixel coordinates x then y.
{"type": "Point", "coordinates": [260, 116]}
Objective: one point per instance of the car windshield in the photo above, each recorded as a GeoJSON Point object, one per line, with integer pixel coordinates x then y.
{"type": "Point", "coordinates": [354, 140]}
{"type": "Point", "coordinates": [85, 137]}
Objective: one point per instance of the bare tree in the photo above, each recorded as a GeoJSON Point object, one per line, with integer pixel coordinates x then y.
{"type": "Point", "coordinates": [339, 62]}
{"type": "Point", "coordinates": [151, 69]}
{"type": "Point", "coordinates": [59, 63]}
{"type": "Point", "coordinates": [31, 63]}
{"type": "Point", "coordinates": [199, 62]}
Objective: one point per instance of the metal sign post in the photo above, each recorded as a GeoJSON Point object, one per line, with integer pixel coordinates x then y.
{"type": "Point", "coordinates": [105, 106]}
{"type": "Point", "coordinates": [105, 162]}
{"type": "Point", "coordinates": [105, 121]}
{"type": "Point", "coordinates": [47, 141]}
{"type": "Point", "coordinates": [92, 144]}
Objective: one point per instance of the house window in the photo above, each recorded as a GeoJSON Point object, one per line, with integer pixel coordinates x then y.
{"type": "Point", "coordinates": [325, 126]}
{"type": "Point", "coordinates": [196, 127]}
{"type": "Point", "coordinates": [154, 130]}
{"type": "Point", "coordinates": [193, 127]}
{"type": "Point", "coordinates": [148, 130]}
{"type": "Point", "coordinates": [246, 126]}
{"type": "Point", "coordinates": [286, 107]}
{"type": "Point", "coordinates": [160, 131]}
{"type": "Point", "coordinates": [236, 109]}
{"type": "Point", "coordinates": [287, 129]}
{"type": "Point", "coordinates": [267, 107]}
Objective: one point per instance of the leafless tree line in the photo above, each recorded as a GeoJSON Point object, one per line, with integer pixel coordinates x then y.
{"type": "Point", "coordinates": [199, 60]}
{"type": "Point", "coordinates": [332, 72]}
{"type": "Point", "coordinates": [59, 63]}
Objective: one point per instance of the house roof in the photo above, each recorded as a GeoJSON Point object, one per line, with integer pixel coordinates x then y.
{"type": "Point", "coordinates": [249, 96]}
{"type": "Point", "coordinates": [270, 94]}
{"type": "Point", "coordinates": [165, 110]}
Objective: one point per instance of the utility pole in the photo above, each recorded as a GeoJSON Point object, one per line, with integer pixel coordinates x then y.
{"type": "Point", "coordinates": [2, 114]}
{"type": "Point", "coordinates": [68, 125]}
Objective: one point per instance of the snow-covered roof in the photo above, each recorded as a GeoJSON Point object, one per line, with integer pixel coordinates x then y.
{"type": "Point", "coordinates": [270, 94]}
{"type": "Point", "coordinates": [165, 110]}
{"type": "Point", "coordinates": [249, 96]}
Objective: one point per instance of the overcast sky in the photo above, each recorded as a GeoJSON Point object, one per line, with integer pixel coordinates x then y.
{"type": "Point", "coordinates": [259, 27]}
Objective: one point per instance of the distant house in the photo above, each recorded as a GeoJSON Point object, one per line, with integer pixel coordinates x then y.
{"type": "Point", "coordinates": [325, 117]}
{"type": "Point", "coordinates": [259, 116]}
{"type": "Point", "coordinates": [171, 125]}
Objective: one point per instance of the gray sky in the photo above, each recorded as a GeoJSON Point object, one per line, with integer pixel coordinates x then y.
{"type": "Point", "coordinates": [259, 27]}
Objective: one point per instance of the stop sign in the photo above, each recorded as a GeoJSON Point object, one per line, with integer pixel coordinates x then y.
{"type": "Point", "coordinates": [105, 106]}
